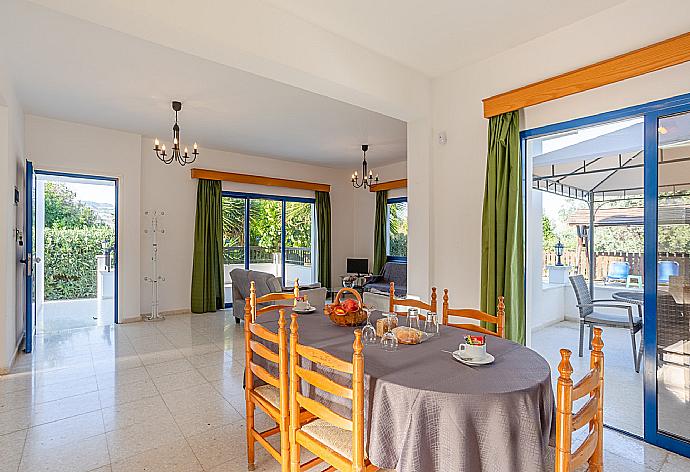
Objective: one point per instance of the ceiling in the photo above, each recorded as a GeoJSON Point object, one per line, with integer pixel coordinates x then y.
{"type": "Point", "coordinates": [70, 69]}
{"type": "Point", "coordinates": [441, 35]}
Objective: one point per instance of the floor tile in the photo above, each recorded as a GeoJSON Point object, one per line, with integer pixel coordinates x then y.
{"type": "Point", "coordinates": [146, 410]}
{"type": "Point", "coordinates": [170, 367]}
{"type": "Point", "coordinates": [61, 432]}
{"type": "Point", "coordinates": [15, 420]}
{"type": "Point", "coordinates": [12, 447]}
{"type": "Point", "coordinates": [140, 437]}
{"type": "Point", "coordinates": [81, 456]}
{"type": "Point", "coordinates": [173, 457]}
{"type": "Point", "coordinates": [64, 408]}
{"type": "Point", "coordinates": [119, 377]}
{"type": "Point", "coordinates": [211, 448]}
{"type": "Point", "coordinates": [127, 393]}
{"type": "Point", "coordinates": [179, 381]}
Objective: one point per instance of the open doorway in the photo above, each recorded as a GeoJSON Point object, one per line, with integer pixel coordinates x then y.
{"type": "Point", "coordinates": [75, 238]}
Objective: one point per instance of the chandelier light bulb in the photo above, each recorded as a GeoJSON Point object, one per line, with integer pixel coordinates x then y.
{"type": "Point", "coordinates": [183, 158]}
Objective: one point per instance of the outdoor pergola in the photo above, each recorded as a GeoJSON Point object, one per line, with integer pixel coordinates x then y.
{"type": "Point", "coordinates": [610, 167]}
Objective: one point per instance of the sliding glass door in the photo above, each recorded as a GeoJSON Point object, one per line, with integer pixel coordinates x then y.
{"type": "Point", "coordinates": [667, 365]}
{"type": "Point", "coordinates": [300, 234]}
{"type": "Point", "coordinates": [266, 236]}
{"type": "Point", "coordinates": [234, 218]}
{"type": "Point", "coordinates": [270, 234]}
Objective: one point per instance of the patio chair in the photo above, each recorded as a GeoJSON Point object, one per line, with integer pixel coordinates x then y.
{"type": "Point", "coordinates": [589, 316]}
{"type": "Point", "coordinates": [618, 272]}
{"type": "Point", "coordinates": [666, 270]}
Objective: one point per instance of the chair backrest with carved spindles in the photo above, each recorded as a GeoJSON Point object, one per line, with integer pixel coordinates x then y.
{"type": "Point", "coordinates": [591, 414]}
{"type": "Point", "coordinates": [255, 301]}
{"type": "Point", "coordinates": [410, 302]}
{"type": "Point", "coordinates": [298, 374]}
{"type": "Point", "coordinates": [498, 320]}
{"type": "Point", "coordinates": [280, 414]}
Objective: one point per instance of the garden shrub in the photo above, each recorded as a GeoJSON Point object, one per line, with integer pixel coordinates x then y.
{"type": "Point", "coordinates": [70, 261]}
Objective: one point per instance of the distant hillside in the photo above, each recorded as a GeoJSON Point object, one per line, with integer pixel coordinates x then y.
{"type": "Point", "coordinates": [105, 212]}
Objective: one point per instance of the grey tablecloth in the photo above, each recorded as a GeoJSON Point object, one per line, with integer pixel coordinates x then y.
{"type": "Point", "coordinates": [428, 412]}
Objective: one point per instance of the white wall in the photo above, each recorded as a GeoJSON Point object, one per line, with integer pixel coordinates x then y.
{"type": "Point", "coordinates": [11, 220]}
{"type": "Point", "coordinates": [458, 168]}
{"type": "Point", "coordinates": [55, 145]}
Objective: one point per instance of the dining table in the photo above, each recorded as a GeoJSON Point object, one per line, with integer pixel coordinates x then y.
{"type": "Point", "coordinates": [426, 411]}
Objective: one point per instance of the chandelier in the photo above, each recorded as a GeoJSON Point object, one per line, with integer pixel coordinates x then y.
{"type": "Point", "coordinates": [175, 154]}
{"type": "Point", "coordinates": [367, 178]}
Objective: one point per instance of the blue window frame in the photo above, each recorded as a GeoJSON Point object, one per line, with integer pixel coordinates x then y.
{"type": "Point", "coordinates": [298, 255]}
{"type": "Point", "coordinates": [651, 112]}
{"type": "Point", "coordinates": [396, 229]}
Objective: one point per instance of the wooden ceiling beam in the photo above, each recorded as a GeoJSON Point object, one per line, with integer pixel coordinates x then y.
{"type": "Point", "coordinates": [393, 184]}
{"type": "Point", "coordinates": [655, 57]}
{"type": "Point", "coordinates": [258, 180]}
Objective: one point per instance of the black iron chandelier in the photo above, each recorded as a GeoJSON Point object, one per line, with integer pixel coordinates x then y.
{"type": "Point", "coordinates": [183, 158]}
{"type": "Point", "coordinates": [367, 177]}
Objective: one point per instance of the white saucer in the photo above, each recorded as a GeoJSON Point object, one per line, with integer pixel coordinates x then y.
{"type": "Point", "coordinates": [304, 312]}
{"type": "Point", "coordinates": [488, 359]}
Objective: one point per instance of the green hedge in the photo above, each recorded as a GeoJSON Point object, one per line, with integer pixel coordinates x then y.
{"type": "Point", "coordinates": [70, 261]}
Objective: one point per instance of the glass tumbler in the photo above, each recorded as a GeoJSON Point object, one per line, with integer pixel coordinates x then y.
{"type": "Point", "coordinates": [368, 331]}
{"type": "Point", "coordinates": [388, 341]}
{"type": "Point", "coordinates": [413, 318]}
{"type": "Point", "coordinates": [431, 324]}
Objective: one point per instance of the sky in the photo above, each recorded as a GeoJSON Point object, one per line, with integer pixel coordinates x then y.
{"type": "Point", "coordinates": [93, 193]}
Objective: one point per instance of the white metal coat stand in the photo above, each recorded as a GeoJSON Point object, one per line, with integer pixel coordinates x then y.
{"type": "Point", "coordinates": [155, 278]}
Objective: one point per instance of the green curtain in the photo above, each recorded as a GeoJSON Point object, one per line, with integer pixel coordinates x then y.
{"type": "Point", "coordinates": [323, 234]}
{"type": "Point", "coordinates": [503, 264]}
{"type": "Point", "coordinates": [380, 231]}
{"type": "Point", "coordinates": [207, 267]}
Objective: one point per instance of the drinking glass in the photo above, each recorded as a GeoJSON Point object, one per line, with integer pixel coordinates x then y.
{"type": "Point", "coordinates": [413, 318]}
{"type": "Point", "coordinates": [431, 324]}
{"type": "Point", "coordinates": [388, 341]}
{"type": "Point", "coordinates": [368, 331]}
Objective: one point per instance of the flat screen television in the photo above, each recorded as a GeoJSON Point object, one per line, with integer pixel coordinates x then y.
{"type": "Point", "coordinates": [357, 266]}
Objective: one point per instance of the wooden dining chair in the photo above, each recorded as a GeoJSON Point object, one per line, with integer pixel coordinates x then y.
{"type": "Point", "coordinates": [591, 451]}
{"type": "Point", "coordinates": [498, 320]}
{"type": "Point", "coordinates": [410, 302]}
{"type": "Point", "coordinates": [273, 396]}
{"type": "Point", "coordinates": [255, 302]}
{"type": "Point", "coordinates": [337, 440]}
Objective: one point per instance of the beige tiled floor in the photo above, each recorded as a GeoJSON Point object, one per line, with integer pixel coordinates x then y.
{"type": "Point", "coordinates": [161, 396]}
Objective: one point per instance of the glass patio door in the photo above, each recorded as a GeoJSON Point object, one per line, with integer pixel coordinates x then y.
{"type": "Point", "coordinates": [271, 234]}
{"type": "Point", "coordinates": [667, 367]}
{"type": "Point", "coordinates": [266, 236]}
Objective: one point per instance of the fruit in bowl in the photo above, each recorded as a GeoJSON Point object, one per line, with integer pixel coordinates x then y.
{"type": "Point", "coordinates": [350, 305]}
{"type": "Point", "coordinates": [347, 312]}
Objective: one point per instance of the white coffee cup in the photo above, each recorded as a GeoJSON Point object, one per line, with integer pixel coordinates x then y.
{"type": "Point", "coordinates": [472, 351]}
{"type": "Point", "coordinates": [302, 305]}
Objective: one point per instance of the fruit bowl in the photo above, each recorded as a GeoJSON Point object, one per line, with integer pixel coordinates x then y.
{"type": "Point", "coordinates": [348, 312]}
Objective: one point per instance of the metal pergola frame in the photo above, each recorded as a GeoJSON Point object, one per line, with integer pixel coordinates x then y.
{"type": "Point", "coordinates": [552, 184]}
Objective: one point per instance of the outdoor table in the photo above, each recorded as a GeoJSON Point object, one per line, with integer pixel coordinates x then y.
{"type": "Point", "coordinates": [425, 411]}
{"type": "Point", "coordinates": [634, 298]}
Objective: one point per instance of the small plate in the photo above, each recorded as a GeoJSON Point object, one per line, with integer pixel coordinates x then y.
{"type": "Point", "coordinates": [304, 312]}
{"type": "Point", "coordinates": [488, 359]}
